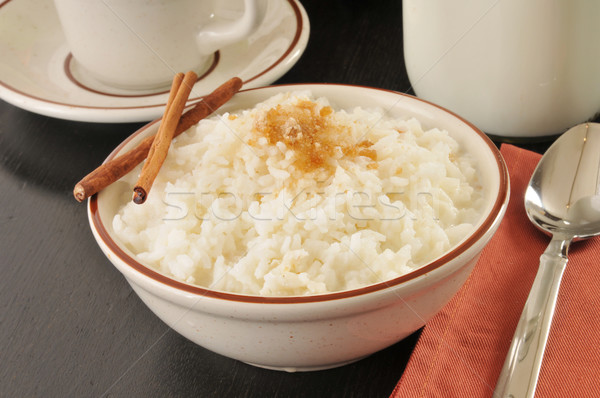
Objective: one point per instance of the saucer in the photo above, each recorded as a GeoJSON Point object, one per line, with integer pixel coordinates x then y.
{"type": "Point", "coordinates": [38, 73]}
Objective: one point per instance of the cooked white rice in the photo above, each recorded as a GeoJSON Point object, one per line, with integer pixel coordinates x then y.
{"type": "Point", "coordinates": [234, 212]}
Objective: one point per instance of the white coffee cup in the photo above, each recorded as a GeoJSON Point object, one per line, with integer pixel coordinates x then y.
{"type": "Point", "coordinates": [141, 44]}
{"type": "Point", "coordinates": [513, 68]}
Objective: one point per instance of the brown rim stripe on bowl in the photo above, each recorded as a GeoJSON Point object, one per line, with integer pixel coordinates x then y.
{"type": "Point", "coordinates": [500, 201]}
{"type": "Point", "coordinates": [299, 28]}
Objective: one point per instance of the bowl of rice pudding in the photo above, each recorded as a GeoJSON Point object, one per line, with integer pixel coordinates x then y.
{"type": "Point", "coordinates": [304, 227]}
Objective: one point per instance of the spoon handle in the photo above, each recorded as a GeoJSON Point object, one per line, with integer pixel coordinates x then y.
{"type": "Point", "coordinates": [519, 375]}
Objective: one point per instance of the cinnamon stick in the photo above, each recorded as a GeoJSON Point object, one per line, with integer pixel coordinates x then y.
{"type": "Point", "coordinates": [180, 91]}
{"type": "Point", "coordinates": [116, 168]}
{"type": "Point", "coordinates": [177, 79]}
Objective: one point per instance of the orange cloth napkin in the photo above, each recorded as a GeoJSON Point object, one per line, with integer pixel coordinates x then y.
{"type": "Point", "coordinates": [462, 349]}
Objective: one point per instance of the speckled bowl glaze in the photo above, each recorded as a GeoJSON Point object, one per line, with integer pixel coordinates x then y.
{"type": "Point", "coordinates": [304, 333]}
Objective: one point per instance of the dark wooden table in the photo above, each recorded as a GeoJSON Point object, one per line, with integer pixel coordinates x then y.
{"type": "Point", "coordinates": [70, 325]}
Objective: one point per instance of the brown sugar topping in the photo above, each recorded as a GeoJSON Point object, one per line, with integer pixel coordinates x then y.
{"type": "Point", "coordinates": [311, 133]}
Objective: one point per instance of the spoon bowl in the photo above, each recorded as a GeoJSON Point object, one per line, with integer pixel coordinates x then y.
{"type": "Point", "coordinates": [563, 200]}
{"type": "Point", "coordinates": [563, 193]}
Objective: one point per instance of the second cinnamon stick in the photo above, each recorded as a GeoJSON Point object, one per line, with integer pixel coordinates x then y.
{"type": "Point", "coordinates": [180, 91]}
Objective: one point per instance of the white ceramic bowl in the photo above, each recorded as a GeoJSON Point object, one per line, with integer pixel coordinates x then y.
{"type": "Point", "coordinates": [321, 331]}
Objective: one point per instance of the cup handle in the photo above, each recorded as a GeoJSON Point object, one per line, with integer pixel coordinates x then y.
{"type": "Point", "coordinates": [216, 35]}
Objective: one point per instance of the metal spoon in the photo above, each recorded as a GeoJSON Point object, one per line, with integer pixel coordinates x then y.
{"type": "Point", "coordinates": [563, 199]}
